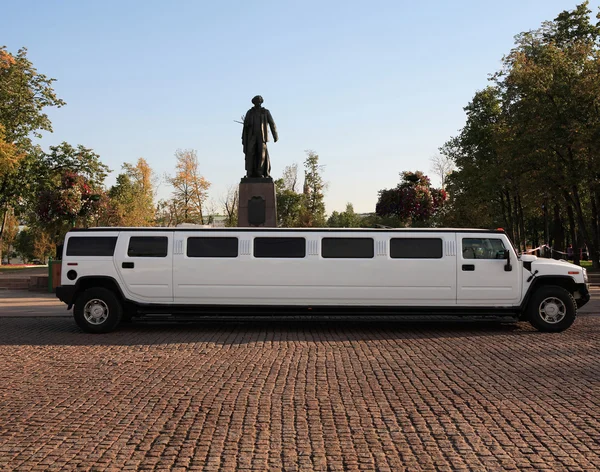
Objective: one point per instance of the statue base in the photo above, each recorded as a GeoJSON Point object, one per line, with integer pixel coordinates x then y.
{"type": "Point", "coordinates": [257, 204]}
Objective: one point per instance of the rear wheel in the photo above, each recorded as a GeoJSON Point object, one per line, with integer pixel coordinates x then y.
{"type": "Point", "coordinates": [552, 309]}
{"type": "Point", "coordinates": [97, 310]}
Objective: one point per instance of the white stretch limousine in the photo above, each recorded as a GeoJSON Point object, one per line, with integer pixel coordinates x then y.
{"type": "Point", "coordinates": [114, 273]}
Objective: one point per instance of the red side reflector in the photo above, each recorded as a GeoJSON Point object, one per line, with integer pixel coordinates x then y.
{"type": "Point", "coordinates": [573, 272]}
{"type": "Point", "coordinates": [71, 263]}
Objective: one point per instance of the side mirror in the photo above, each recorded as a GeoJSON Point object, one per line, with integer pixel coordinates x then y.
{"type": "Point", "coordinates": [507, 267]}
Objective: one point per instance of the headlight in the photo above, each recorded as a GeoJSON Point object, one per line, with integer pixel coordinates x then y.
{"type": "Point", "coordinates": [585, 277]}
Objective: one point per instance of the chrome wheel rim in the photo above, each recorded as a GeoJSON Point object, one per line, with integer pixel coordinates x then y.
{"type": "Point", "coordinates": [552, 310]}
{"type": "Point", "coordinates": [95, 312]}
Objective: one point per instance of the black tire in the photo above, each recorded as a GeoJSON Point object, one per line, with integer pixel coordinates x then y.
{"type": "Point", "coordinates": [551, 303]}
{"type": "Point", "coordinates": [109, 310]}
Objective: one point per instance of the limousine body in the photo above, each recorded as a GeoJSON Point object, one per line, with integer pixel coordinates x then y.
{"type": "Point", "coordinates": [113, 273]}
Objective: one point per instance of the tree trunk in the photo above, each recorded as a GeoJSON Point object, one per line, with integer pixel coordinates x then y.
{"type": "Point", "coordinates": [515, 220]}
{"type": "Point", "coordinates": [559, 235]}
{"type": "Point", "coordinates": [593, 252]}
{"type": "Point", "coordinates": [573, 231]}
{"type": "Point", "coordinates": [522, 223]}
{"type": "Point", "coordinates": [504, 213]}
{"type": "Point", "coordinates": [4, 219]}
{"type": "Point", "coordinates": [546, 227]}
{"type": "Point", "coordinates": [573, 197]}
{"type": "Point", "coordinates": [510, 229]}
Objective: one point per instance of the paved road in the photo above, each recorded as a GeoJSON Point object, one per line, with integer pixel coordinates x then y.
{"type": "Point", "coordinates": [290, 395]}
{"type": "Point", "coordinates": [23, 303]}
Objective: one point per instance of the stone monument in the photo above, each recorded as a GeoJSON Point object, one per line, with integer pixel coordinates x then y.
{"type": "Point", "coordinates": [257, 204]}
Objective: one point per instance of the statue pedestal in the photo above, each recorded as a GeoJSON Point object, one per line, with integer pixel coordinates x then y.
{"type": "Point", "coordinates": [258, 205]}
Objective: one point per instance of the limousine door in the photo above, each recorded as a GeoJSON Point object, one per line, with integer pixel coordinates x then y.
{"type": "Point", "coordinates": [144, 261]}
{"type": "Point", "coordinates": [481, 276]}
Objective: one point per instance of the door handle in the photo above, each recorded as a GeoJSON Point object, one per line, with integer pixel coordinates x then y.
{"type": "Point", "coordinates": [127, 265]}
{"type": "Point", "coordinates": [468, 267]}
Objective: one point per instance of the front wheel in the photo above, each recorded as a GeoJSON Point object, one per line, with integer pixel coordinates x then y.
{"type": "Point", "coordinates": [552, 309]}
{"type": "Point", "coordinates": [97, 310]}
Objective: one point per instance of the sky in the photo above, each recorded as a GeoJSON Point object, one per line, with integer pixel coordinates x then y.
{"type": "Point", "coordinates": [374, 88]}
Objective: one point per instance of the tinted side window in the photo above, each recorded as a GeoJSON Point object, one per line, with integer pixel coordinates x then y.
{"type": "Point", "coordinates": [212, 247]}
{"type": "Point", "coordinates": [483, 248]}
{"type": "Point", "coordinates": [347, 248]}
{"type": "Point", "coordinates": [416, 248]}
{"type": "Point", "coordinates": [91, 246]}
{"type": "Point", "coordinates": [147, 246]}
{"type": "Point", "coordinates": [279, 247]}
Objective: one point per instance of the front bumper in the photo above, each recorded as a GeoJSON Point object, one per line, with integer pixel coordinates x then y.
{"type": "Point", "coordinates": [66, 294]}
{"type": "Point", "coordinates": [582, 294]}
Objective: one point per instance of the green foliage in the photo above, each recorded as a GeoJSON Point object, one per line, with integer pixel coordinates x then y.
{"type": "Point", "coordinates": [24, 95]}
{"type": "Point", "coordinates": [289, 201]}
{"type": "Point", "coordinates": [345, 219]}
{"type": "Point", "coordinates": [67, 190]}
{"type": "Point", "coordinates": [413, 202]}
{"type": "Point", "coordinates": [289, 205]}
{"type": "Point", "coordinates": [312, 213]}
{"type": "Point", "coordinates": [132, 197]}
{"type": "Point", "coordinates": [190, 188]}
{"type": "Point", "coordinates": [10, 229]}
{"type": "Point", "coordinates": [571, 27]}
{"type": "Point", "coordinates": [67, 158]}
{"type": "Point", "coordinates": [231, 206]}
{"type": "Point", "coordinates": [61, 207]}
{"type": "Point", "coordinates": [24, 245]}
{"type": "Point", "coordinates": [531, 142]}
{"type": "Point", "coordinates": [34, 243]}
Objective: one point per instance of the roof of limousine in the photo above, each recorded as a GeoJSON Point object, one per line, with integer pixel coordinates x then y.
{"type": "Point", "coordinates": [289, 230]}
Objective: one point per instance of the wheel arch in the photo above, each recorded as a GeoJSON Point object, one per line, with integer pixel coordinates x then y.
{"type": "Point", "coordinates": [95, 281]}
{"type": "Point", "coordinates": [563, 281]}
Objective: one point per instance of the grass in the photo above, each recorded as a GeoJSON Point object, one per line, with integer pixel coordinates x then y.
{"type": "Point", "coordinates": [588, 266]}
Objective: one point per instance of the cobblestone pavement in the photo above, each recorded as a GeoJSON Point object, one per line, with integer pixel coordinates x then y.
{"type": "Point", "coordinates": [299, 395]}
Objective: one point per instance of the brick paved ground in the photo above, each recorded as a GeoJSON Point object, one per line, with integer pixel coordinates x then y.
{"type": "Point", "coordinates": [299, 396]}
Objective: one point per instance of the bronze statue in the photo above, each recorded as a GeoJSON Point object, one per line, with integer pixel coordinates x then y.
{"type": "Point", "coordinates": [255, 136]}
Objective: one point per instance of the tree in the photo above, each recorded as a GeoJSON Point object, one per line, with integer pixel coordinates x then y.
{"type": "Point", "coordinates": [24, 245]}
{"type": "Point", "coordinates": [34, 243]}
{"type": "Point", "coordinates": [167, 213]}
{"type": "Point", "coordinates": [190, 187]}
{"type": "Point", "coordinates": [9, 235]}
{"type": "Point", "coordinates": [313, 205]}
{"type": "Point", "coordinates": [290, 177]}
{"type": "Point", "coordinates": [442, 166]}
{"type": "Point", "coordinates": [104, 211]}
{"type": "Point", "coordinates": [24, 95]}
{"type": "Point", "coordinates": [143, 175]}
{"type": "Point", "coordinates": [132, 197]}
{"type": "Point", "coordinates": [413, 202]}
{"type": "Point", "coordinates": [479, 185]}
{"type": "Point", "coordinates": [10, 158]}
{"type": "Point", "coordinates": [80, 160]}
{"type": "Point", "coordinates": [345, 219]}
{"type": "Point", "coordinates": [43, 245]}
{"type": "Point", "coordinates": [230, 204]}
{"type": "Point", "coordinates": [60, 208]}
{"type": "Point", "coordinates": [528, 156]}
{"type": "Point", "coordinates": [551, 81]}
{"type": "Point", "coordinates": [289, 201]}
{"type": "Point", "coordinates": [67, 191]}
